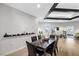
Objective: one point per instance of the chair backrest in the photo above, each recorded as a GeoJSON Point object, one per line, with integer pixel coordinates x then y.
{"type": "Point", "coordinates": [34, 38]}
{"type": "Point", "coordinates": [56, 41]}
{"type": "Point", "coordinates": [39, 37]}
{"type": "Point", "coordinates": [31, 49]}
{"type": "Point", "coordinates": [51, 46]}
{"type": "Point", "coordinates": [52, 36]}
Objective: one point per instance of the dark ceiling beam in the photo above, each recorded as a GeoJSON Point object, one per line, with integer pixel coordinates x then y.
{"type": "Point", "coordinates": [52, 18]}
{"type": "Point", "coordinates": [66, 10]}
{"type": "Point", "coordinates": [75, 17]}
{"type": "Point", "coordinates": [51, 9]}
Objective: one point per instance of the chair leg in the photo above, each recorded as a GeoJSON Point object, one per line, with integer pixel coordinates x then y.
{"type": "Point", "coordinates": [51, 54]}
{"type": "Point", "coordinates": [57, 49]}
{"type": "Point", "coordinates": [54, 52]}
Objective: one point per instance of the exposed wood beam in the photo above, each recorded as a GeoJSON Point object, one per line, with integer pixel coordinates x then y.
{"type": "Point", "coordinates": [66, 10]}
{"type": "Point", "coordinates": [75, 17]}
{"type": "Point", "coordinates": [52, 18]}
{"type": "Point", "coordinates": [51, 9]}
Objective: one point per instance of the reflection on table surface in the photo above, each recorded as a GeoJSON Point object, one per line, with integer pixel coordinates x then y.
{"type": "Point", "coordinates": [43, 43]}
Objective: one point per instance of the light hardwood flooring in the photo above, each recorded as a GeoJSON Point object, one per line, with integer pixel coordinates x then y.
{"type": "Point", "coordinates": [66, 47]}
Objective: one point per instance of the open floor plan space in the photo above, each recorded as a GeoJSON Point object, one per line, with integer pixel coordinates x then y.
{"type": "Point", "coordinates": [39, 29]}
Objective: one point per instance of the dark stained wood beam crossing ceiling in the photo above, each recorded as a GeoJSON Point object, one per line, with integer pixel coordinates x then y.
{"type": "Point", "coordinates": [53, 8]}
{"type": "Point", "coordinates": [65, 10]}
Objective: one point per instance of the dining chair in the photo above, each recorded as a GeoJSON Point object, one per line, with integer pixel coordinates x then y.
{"type": "Point", "coordinates": [52, 36]}
{"type": "Point", "coordinates": [34, 50]}
{"type": "Point", "coordinates": [31, 49]}
{"type": "Point", "coordinates": [56, 43]}
{"type": "Point", "coordinates": [34, 38]}
{"type": "Point", "coordinates": [39, 37]}
{"type": "Point", "coordinates": [39, 51]}
{"type": "Point", "coordinates": [50, 49]}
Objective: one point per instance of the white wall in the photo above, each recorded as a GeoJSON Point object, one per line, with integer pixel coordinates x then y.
{"type": "Point", "coordinates": [13, 21]}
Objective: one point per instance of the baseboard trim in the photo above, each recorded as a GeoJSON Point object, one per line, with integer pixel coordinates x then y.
{"type": "Point", "coordinates": [13, 51]}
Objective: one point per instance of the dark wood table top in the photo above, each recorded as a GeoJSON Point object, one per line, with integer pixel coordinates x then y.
{"type": "Point", "coordinates": [43, 44]}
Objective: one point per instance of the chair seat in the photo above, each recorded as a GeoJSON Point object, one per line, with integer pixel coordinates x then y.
{"type": "Point", "coordinates": [40, 51]}
{"type": "Point", "coordinates": [50, 49]}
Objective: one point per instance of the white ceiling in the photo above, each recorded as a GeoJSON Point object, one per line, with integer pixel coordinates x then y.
{"type": "Point", "coordinates": [31, 8]}
{"type": "Point", "coordinates": [64, 14]}
{"type": "Point", "coordinates": [68, 5]}
{"type": "Point", "coordinates": [61, 14]}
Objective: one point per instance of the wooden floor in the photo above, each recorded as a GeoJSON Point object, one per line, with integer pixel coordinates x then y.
{"type": "Point", "coordinates": [66, 47]}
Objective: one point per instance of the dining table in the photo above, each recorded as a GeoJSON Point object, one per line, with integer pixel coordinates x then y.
{"type": "Point", "coordinates": [43, 43]}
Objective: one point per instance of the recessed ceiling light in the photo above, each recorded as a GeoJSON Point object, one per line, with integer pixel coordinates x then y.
{"type": "Point", "coordinates": [38, 5]}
